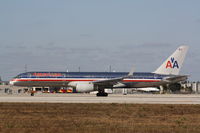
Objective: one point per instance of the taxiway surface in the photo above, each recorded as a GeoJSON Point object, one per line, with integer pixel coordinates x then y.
{"type": "Point", "coordinates": [112, 98]}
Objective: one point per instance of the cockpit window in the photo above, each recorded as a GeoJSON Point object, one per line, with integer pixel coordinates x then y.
{"type": "Point", "coordinates": [16, 77]}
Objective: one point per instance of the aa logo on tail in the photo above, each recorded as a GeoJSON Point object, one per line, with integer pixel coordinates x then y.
{"type": "Point", "coordinates": [172, 63]}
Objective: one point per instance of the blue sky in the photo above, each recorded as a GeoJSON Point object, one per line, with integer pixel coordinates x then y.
{"type": "Point", "coordinates": [52, 35]}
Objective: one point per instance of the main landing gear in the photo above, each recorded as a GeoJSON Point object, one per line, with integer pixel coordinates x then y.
{"type": "Point", "coordinates": [101, 93]}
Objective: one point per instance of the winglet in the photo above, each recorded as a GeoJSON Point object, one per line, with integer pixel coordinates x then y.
{"type": "Point", "coordinates": [131, 72]}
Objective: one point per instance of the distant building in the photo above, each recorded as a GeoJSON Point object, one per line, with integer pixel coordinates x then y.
{"type": "Point", "coordinates": [194, 87]}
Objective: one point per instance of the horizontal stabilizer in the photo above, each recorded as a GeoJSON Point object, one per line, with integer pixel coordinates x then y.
{"type": "Point", "coordinates": [176, 78]}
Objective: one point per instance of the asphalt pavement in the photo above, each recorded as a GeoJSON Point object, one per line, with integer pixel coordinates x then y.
{"type": "Point", "coordinates": [112, 98]}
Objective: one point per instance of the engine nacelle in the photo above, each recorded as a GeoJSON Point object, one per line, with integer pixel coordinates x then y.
{"type": "Point", "coordinates": [84, 87]}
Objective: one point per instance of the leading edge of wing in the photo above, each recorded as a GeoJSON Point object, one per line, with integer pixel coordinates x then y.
{"type": "Point", "coordinates": [112, 81]}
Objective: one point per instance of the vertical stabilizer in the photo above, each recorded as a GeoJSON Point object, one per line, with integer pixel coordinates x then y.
{"type": "Point", "coordinates": [174, 63]}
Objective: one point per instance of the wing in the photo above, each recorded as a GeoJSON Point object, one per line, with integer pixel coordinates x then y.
{"type": "Point", "coordinates": [108, 82]}
{"type": "Point", "coordinates": [113, 81]}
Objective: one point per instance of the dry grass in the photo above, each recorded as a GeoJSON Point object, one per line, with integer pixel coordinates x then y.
{"type": "Point", "coordinates": [99, 118]}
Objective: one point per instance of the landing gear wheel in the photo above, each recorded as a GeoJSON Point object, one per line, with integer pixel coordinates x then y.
{"type": "Point", "coordinates": [32, 94]}
{"type": "Point", "coordinates": [102, 94]}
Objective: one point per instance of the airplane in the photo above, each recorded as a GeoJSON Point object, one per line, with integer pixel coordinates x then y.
{"type": "Point", "coordinates": [166, 74]}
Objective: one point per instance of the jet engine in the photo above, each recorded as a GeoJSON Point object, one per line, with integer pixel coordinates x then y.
{"type": "Point", "coordinates": [82, 87]}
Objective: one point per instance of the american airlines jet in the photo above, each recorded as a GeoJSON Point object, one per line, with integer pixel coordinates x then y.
{"type": "Point", "coordinates": [166, 74]}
